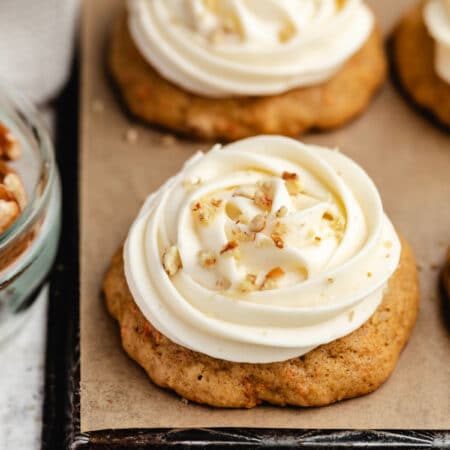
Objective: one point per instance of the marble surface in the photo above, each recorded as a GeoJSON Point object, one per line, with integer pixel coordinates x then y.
{"type": "Point", "coordinates": [22, 359]}
{"type": "Point", "coordinates": [22, 368]}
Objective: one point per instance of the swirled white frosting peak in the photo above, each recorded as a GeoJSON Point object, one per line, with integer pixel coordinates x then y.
{"type": "Point", "coordinates": [220, 48]}
{"type": "Point", "coordinates": [261, 250]}
{"type": "Point", "coordinates": [437, 19]}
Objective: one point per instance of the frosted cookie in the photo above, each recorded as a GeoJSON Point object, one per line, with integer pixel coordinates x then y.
{"type": "Point", "coordinates": [265, 270]}
{"type": "Point", "coordinates": [422, 56]}
{"type": "Point", "coordinates": [231, 69]}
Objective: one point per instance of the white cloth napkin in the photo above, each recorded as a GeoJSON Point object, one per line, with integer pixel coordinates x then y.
{"type": "Point", "coordinates": [36, 43]}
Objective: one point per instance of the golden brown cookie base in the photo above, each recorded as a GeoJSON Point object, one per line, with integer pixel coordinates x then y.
{"type": "Point", "coordinates": [414, 61]}
{"type": "Point", "coordinates": [156, 100]}
{"type": "Point", "coordinates": [348, 367]}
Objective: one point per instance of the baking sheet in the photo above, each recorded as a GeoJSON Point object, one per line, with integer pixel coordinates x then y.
{"type": "Point", "coordinates": [406, 155]}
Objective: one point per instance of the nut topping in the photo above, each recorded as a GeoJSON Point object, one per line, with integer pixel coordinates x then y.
{"type": "Point", "coordinates": [12, 196]}
{"type": "Point", "coordinates": [277, 239]}
{"type": "Point", "coordinates": [223, 284]}
{"type": "Point", "coordinates": [233, 212]}
{"type": "Point", "coordinates": [289, 176]}
{"type": "Point", "coordinates": [241, 235]}
{"type": "Point", "coordinates": [204, 212]}
{"type": "Point", "coordinates": [263, 200]}
{"type": "Point", "coordinates": [271, 278]}
{"type": "Point", "coordinates": [231, 248]}
{"type": "Point", "coordinates": [280, 228]}
{"type": "Point", "coordinates": [216, 202]}
{"type": "Point", "coordinates": [9, 211]}
{"type": "Point", "coordinates": [263, 196]}
{"type": "Point", "coordinates": [206, 258]}
{"type": "Point", "coordinates": [292, 183]}
{"type": "Point", "coordinates": [10, 149]}
{"type": "Point", "coordinates": [258, 223]}
{"type": "Point", "coordinates": [248, 284]}
{"type": "Point", "coordinates": [281, 212]}
{"type": "Point", "coordinates": [14, 184]}
{"type": "Point", "coordinates": [171, 261]}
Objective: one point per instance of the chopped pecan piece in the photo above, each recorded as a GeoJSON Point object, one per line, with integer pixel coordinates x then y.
{"type": "Point", "coordinates": [281, 212]}
{"type": "Point", "coordinates": [292, 183]}
{"type": "Point", "coordinates": [9, 146]}
{"type": "Point", "coordinates": [12, 196]}
{"type": "Point", "coordinates": [248, 284]}
{"type": "Point", "coordinates": [271, 278]}
{"type": "Point", "coordinates": [258, 223]}
{"type": "Point", "coordinates": [206, 258]}
{"type": "Point", "coordinates": [277, 239]}
{"type": "Point", "coordinates": [242, 235]}
{"type": "Point", "coordinates": [204, 212]}
{"type": "Point", "coordinates": [171, 261]}
{"type": "Point", "coordinates": [263, 200]}
{"type": "Point", "coordinates": [231, 248]}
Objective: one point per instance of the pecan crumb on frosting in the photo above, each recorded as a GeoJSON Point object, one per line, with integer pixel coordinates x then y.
{"type": "Point", "coordinates": [223, 284]}
{"type": "Point", "coordinates": [207, 258]}
{"type": "Point", "coordinates": [248, 284]}
{"type": "Point", "coordinates": [292, 182]}
{"type": "Point", "coordinates": [277, 239]}
{"type": "Point", "coordinates": [204, 212]}
{"type": "Point", "coordinates": [216, 202]}
{"type": "Point", "coordinates": [263, 200]}
{"type": "Point", "coordinates": [242, 235]}
{"type": "Point", "coordinates": [231, 248]}
{"type": "Point", "coordinates": [289, 176]}
{"type": "Point", "coordinates": [258, 223]}
{"type": "Point", "coordinates": [271, 278]}
{"type": "Point", "coordinates": [281, 212]}
{"type": "Point", "coordinates": [171, 261]}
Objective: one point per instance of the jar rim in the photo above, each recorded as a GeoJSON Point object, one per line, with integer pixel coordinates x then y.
{"type": "Point", "coordinates": [23, 112]}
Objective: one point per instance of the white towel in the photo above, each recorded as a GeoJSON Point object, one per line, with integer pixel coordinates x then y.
{"type": "Point", "coordinates": [36, 44]}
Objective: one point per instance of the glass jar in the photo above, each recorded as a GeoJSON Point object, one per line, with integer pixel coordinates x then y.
{"type": "Point", "coordinates": [28, 247]}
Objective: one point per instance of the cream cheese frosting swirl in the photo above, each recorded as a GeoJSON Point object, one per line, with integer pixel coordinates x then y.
{"type": "Point", "coordinates": [220, 48]}
{"type": "Point", "coordinates": [261, 251]}
{"type": "Point", "coordinates": [437, 19]}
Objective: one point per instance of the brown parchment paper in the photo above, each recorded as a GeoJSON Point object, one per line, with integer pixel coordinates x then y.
{"type": "Point", "coordinates": [408, 158]}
